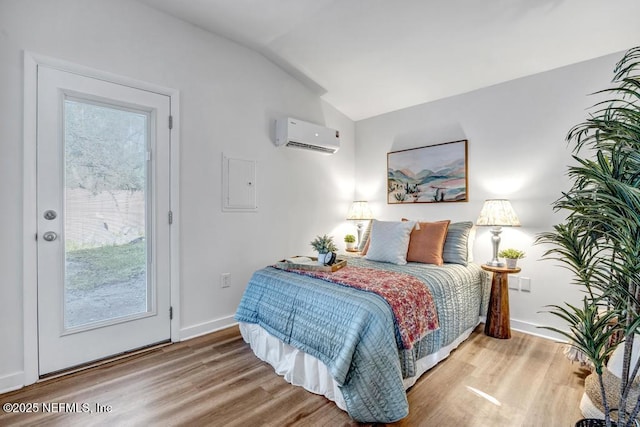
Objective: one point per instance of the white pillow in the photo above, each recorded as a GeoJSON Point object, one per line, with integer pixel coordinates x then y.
{"type": "Point", "coordinates": [390, 241]}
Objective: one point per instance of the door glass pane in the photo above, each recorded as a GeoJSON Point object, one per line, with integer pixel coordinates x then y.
{"type": "Point", "coordinates": [105, 217]}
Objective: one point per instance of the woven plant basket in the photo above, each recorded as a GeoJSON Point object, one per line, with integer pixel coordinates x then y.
{"type": "Point", "coordinates": [595, 422]}
{"type": "Point", "coordinates": [612, 388]}
{"type": "Point", "coordinates": [592, 422]}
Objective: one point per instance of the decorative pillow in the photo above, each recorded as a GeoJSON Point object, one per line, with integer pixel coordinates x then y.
{"type": "Point", "coordinates": [470, 240]}
{"type": "Point", "coordinates": [365, 249]}
{"type": "Point", "coordinates": [427, 242]}
{"type": "Point", "coordinates": [389, 241]}
{"type": "Point", "coordinates": [456, 246]}
{"type": "Point", "coordinates": [363, 245]}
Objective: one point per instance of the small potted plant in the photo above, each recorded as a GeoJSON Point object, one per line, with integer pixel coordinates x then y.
{"type": "Point", "coordinates": [323, 245]}
{"type": "Point", "coordinates": [511, 256]}
{"type": "Point", "coordinates": [350, 240]}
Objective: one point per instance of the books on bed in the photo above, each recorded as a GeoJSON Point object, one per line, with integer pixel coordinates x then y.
{"type": "Point", "coordinates": [309, 263]}
{"type": "Point", "coordinates": [300, 260]}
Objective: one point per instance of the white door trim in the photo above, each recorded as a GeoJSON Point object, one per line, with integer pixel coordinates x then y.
{"type": "Point", "coordinates": [29, 256]}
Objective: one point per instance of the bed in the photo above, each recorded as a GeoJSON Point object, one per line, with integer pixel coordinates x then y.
{"type": "Point", "coordinates": [348, 342]}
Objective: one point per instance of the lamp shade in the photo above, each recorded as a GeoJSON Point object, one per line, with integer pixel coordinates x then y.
{"type": "Point", "coordinates": [360, 211]}
{"type": "Point", "coordinates": [498, 212]}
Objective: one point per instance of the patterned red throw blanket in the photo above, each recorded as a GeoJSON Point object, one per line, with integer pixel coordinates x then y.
{"type": "Point", "coordinates": [410, 299]}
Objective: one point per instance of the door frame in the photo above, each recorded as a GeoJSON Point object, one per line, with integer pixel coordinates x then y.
{"type": "Point", "coordinates": [29, 204]}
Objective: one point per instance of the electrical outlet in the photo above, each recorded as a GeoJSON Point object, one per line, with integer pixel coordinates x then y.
{"type": "Point", "coordinates": [225, 280]}
{"type": "Point", "coordinates": [513, 282]}
{"type": "Point", "coordinates": [525, 284]}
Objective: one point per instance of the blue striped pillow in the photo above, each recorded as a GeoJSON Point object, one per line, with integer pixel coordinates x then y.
{"type": "Point", "coordinates": [456, 246]}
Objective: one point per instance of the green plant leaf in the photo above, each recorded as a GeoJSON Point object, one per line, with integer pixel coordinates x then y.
{"type": "Point", "coordinates": [599, 241]}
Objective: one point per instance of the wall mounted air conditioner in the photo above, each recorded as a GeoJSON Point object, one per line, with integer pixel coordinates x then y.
{"type": "Point", "coordinates": [308, 136]}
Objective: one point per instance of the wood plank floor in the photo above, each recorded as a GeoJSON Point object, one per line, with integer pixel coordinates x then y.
{"type": "Point", "coordinates": [216, 380]}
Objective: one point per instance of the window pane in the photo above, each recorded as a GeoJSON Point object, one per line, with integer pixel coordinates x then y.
{"type": "Point", "coordinates": [106, 256]}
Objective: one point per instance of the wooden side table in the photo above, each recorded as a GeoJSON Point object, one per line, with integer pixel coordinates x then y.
{"type": "Point", "coordinates": [498, 324]}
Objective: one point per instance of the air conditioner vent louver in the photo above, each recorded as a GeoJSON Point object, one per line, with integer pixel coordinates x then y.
{"type": "Point", "coordinates": [296, 133]}
{"type": "Point", "coordinates": [302, 145]}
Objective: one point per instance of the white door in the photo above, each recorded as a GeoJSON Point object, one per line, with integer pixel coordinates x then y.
{"type": "Point", "coordinates": [103, 160]}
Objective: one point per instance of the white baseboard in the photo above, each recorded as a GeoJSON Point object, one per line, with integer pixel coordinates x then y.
{"type": "Point", "coordinates": [533, 329]}
{"type": "Point", "coordinates": [206, 327]}
{"type": "Point", "coordinates": [11, 382]}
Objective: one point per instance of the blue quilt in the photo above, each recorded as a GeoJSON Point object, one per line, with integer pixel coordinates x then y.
{"type": "Point", "coordinates": [352, 331]}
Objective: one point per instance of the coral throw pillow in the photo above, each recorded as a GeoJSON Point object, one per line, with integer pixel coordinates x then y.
{"type": "Point", "coordinates": [427, 243]}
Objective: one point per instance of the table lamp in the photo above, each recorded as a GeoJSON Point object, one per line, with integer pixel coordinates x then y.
{"type": "Point", "coordinates": [360, 212]}
{"type": "Point", "coordinates": [497, 213]}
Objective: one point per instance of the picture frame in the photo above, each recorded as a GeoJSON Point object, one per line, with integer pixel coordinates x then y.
{"type": "Point", "coordinates": [430, 174]}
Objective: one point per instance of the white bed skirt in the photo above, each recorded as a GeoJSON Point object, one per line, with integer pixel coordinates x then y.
{"type": "Point", "coordinates": [301, 369]}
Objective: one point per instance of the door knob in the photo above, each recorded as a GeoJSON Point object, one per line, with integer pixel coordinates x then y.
{"type": "Point", "coordinates": [50, 214]}
{"type": "Point", "coordinates": [49, 236]}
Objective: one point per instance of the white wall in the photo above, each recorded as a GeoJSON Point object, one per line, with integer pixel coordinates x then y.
{"type": "Point", "coordinates": [229, 97]}
{"type": "Point", "coordinates": [516, 150]}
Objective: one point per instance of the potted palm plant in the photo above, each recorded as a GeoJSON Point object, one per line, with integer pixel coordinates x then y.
{"type": "Point", "coordinates": [599, 242]}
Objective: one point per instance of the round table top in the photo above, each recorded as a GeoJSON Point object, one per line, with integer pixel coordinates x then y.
{"type": "Point", "coordinates": [503, 269]}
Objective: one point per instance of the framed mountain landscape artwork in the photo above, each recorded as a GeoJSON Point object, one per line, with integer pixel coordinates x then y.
{"type": "Point", "coordinates": [432, 174]}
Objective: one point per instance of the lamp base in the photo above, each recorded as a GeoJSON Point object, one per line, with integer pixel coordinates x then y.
{"type": "Point", "coordinates": [495, 263]}
{"type": "Point", "coordinates": [360, 225]}
{"type": "Point", "coordinates": [495, 243]}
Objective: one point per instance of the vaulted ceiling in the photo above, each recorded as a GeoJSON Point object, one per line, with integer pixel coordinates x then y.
{"type": "Point", "coordinates": [369, 57]}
